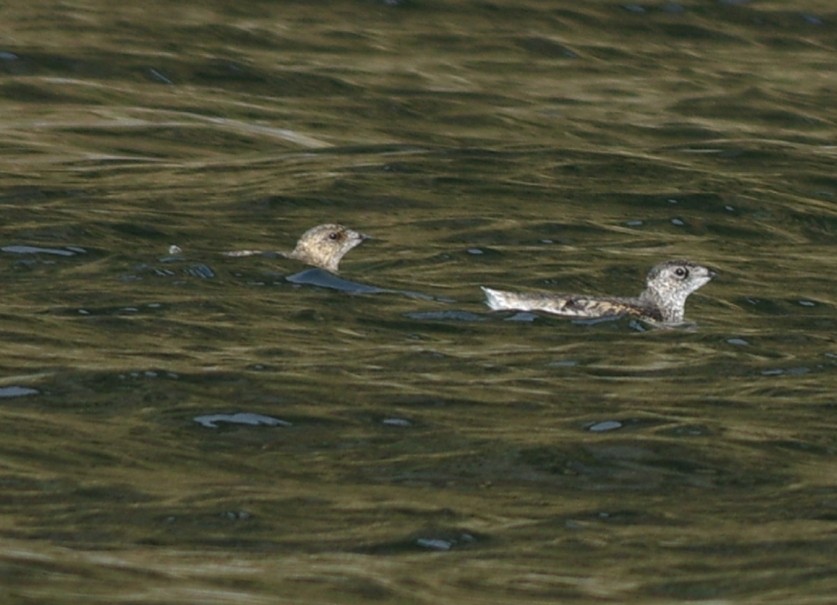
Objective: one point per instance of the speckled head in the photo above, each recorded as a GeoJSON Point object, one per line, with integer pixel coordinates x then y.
{"type": "Point", "coordinates": [325, 245]}
{"type": "Point", "coordinates": [669, 284]}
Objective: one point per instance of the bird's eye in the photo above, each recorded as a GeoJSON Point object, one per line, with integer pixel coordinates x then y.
{"type": "Point", "coordinates": [681, 272]}
{"type": "Point", "coordinates": [334, 235]}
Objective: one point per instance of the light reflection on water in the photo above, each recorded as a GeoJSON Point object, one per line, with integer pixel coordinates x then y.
{"type": "Point", "coordinates": [207, 428]}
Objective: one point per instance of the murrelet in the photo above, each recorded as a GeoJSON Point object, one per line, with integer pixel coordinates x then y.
{"type": "Point", "coordinates": [322, 246]}
{"type": "Point", "coordinates": [667, 287]}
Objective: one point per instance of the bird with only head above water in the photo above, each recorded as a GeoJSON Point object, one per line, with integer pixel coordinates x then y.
{"type": "Point", "coordinates": [322, 246]}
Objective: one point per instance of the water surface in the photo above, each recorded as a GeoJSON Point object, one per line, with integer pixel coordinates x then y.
{"type": "Point", "coordinates": [197, 428]}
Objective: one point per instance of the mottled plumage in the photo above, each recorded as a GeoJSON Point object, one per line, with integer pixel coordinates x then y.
{"type": "Point", "coordinates": [667, 287]}
{"type": "Point", "coordinates": [321, 246]}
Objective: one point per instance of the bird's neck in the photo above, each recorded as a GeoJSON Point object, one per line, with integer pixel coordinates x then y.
{"type": "Point", "coordinates": [672, 310]}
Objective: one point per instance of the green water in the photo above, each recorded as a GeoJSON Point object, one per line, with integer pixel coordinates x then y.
{"type": "Point", "coordinates": [430, 451]}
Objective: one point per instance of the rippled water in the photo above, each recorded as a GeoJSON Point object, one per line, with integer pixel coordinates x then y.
{"type": "Point", "coordinates": [197, 428]}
